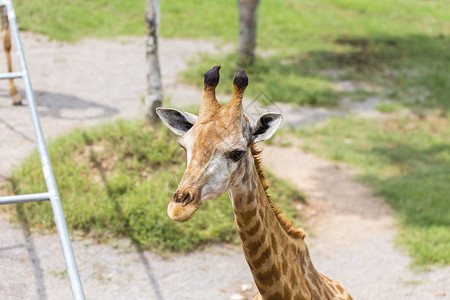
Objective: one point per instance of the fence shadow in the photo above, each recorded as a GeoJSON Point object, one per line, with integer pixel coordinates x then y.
{"type": "Point", "coordinates": [62, 106]}
{"type": "Point", "coordinates": [126, 227]}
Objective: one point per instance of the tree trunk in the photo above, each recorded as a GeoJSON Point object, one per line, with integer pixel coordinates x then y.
{"type": "Point", "coordinates": [247, 32]}
{"type": "Point", "coordinates": [153, 99]}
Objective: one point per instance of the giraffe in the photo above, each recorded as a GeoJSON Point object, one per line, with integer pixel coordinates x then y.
{"type": "Point", "coordinates": [6, 37]}
{"type": "Point", "coordinates": [220, 145]}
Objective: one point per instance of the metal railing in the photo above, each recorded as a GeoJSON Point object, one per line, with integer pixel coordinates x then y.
{"type": "Point", "coordinates": [52, 194]}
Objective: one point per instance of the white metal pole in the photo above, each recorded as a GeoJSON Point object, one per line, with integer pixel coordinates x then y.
{"type": "Point", "coordinates": [60, 221]}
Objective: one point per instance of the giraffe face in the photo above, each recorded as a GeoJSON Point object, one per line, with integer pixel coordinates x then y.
{"type": "Point", "coordinates": [217, 154]}
{"type": "Point", "coordinates": [216, 143]}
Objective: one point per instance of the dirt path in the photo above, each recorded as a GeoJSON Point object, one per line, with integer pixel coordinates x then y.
{"type": "Point", "coordinates": [92, 81]}
{"type": "Point", "coordinates": [353, 231]}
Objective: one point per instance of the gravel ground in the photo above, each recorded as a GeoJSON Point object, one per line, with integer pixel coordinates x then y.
{"type": "Point", "coordinates": [92, 81]}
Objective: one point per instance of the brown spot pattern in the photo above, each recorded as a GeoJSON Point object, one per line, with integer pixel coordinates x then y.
{"type": "Point", "coordinates": [276, 296]}
{"type": "Point", "coordinates": [293, 276]}
{"type": "Point", "coordinates": [265, 278]}
{"type": "Point", "coordinates": [245, 178]}
{"type": "Point", "coordinates": [253, 247]}
{"type": "Point", "coordinates": [247, 216]}
{"type": "Point", "coordinates": [262, 258]}
{"type": "Point", "coordinates": [299, 297]}
{"type": "Point", "coordinates": [250, 199]}
{"type": "Point", "coordinates": [287, 293]}
{"type": "Point", "coordinates": [254, 229]}
{"type": "Point", "coordinates": [284, 267]}
{"type": "Point", "coordinates": [239, 225]}
{"type": "Point", "coordinates": [276, 272]}
{"type": "Point", "coordinates": [274, 244]}
{"type": "Point", "coordinates": [241, 235]}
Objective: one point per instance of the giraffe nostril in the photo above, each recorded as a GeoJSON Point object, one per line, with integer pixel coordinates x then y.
{"type": "Point", "coordinates": [186, 198]}
{"type": "Point", "coordinates": [183, 198]}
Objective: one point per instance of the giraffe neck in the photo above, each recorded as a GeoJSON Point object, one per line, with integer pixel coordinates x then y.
{"type": "Point", "coordinates": [279, 262]}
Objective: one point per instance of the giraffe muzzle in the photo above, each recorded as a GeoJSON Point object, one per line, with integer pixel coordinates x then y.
{"type": "Point", "coordinates": [183, 205]}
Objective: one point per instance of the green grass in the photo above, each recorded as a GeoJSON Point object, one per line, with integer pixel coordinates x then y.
{"type": "Point", "coordinates": [399, 45]}
{"type": "Point", "coordinates": [287, 24]}
{"type": "Point", "coordinates": [68, 20]}
{"type": "Point", "coordinates": [117, 179]}
{"type": "Point", "coordinates": [407, 161]}
{"type": "Point", "coordinates": [387, 107]}
{"type": "Point", "coordinates": [410, 70]}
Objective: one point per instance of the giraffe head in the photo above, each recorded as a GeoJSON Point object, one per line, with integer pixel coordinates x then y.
{"type": "Point", "coordinates": [217, 144]}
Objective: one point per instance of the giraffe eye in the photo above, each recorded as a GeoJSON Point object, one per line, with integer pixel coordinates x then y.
{"type": "Point", "coordinates": [236, 155]}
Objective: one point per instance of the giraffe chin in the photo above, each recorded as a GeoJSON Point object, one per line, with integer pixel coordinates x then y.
{"type": "Point", "coordinates": [182, 212]}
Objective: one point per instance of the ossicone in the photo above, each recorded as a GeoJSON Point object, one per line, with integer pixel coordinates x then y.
{"type": "Point", "coordinates": [240, 79]}
{"type": "Point", "coordinates": [212, 77]}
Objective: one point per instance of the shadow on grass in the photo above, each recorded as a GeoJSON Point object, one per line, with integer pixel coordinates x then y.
{"type": "Point", "coordinates": [410, 69]}
{"type": "Point", "coordinates": [414, 68]}
{"type": "Point", "coordinates": [420, 192]}
{"type": "Point", "coordinates": [127, 230]}
{"type": "Point", "coordinates": [420, 195]}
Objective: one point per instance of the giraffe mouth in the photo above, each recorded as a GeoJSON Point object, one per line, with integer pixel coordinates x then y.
{"type": "Point", "coordinates": [182, 206]}
{"type": "Point", "coordinates": [180, 212]}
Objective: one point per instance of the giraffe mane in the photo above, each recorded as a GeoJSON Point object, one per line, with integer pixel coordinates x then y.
{"type": "Point", "coordinates": [284, 222]}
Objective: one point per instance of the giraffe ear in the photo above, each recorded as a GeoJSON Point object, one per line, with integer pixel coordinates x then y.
{"type": "Point", "coordinates": [265, 126]}
{"type": "Point", "coordinates": [177, 121]}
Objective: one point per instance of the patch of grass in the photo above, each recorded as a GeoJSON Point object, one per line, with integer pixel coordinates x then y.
{"type": "Point", "coordinates": [117, 179]}
{"type": "Point", "coordinates": [68, 20]}
{"type": "Point", "coordinates": [387, 107]}
{"type": "Point", "coordinates": [407, 161]}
